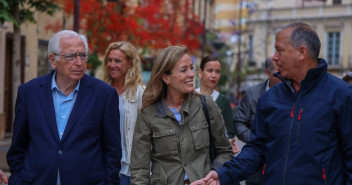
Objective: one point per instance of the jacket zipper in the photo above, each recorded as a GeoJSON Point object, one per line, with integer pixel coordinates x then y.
{"type": "Point", "coordinates": [296, 97]}
{"type": "Point", "coordinates": [292, 111]}
{"type": "Point", "coordinates": [263, 169]}
{"type": "Point", "coordinates": [287, 150]}
{"type": "Point", "coordinates": [324, 177]}
{"type": "Point", "coordinates": [299, 124]}
{"type": "Point", "coordinates": [286, 82]}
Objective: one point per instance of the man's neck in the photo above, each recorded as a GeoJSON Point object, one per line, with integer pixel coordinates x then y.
{"type": "Point", "coordinates": [66, 86]}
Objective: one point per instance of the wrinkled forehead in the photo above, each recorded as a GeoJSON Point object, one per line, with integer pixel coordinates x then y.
{"type": "Point", "coordinates": [284, 33]}
{"type": "Point", "coordinates": [283, 37]}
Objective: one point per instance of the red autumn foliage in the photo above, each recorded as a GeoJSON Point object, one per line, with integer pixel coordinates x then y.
{"type": "Point", "coordinates": [150, 24]}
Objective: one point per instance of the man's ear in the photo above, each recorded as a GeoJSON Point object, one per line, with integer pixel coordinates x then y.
{"type": "Point", "coordinates": [52, 61]}
{"type": "Point", "coordinates": [303, 52]}
{"type": "Point", "coordinates": [165, 78]}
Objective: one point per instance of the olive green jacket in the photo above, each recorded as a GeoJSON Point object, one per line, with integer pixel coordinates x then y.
{"type": "Point", "coordinates": [163, 150]}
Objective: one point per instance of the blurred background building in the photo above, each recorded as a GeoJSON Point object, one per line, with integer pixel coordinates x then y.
{"type": "Point", "coordinates": [33, 62]}
{"type": "Point", "coordinates": [332, 19]}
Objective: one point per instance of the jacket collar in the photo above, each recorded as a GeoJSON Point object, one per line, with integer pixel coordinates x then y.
{"type": "Point", "coordinates": [135, 96]}
{"type": "Point", "coordinates": [48, 105]}
{"type": "Point", "coordinates": [313, 75]}
{"type": "Point", "coordinates": [46, 81]}
{"type": "Point", "coordinates": [263, 87]}
{"type": "Point", "coordinates": [162, 110]}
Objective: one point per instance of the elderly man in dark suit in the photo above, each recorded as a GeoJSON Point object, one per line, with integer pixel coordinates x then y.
{"type": "Point", "coordinates": [66, 128]}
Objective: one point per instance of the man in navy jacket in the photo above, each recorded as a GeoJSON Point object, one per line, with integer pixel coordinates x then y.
{"type": "Point", "coordinates": [303, 126]}
{"type": "Point", "coordinates": [66, 128]}
{"type": "Point", "coordinates": [245, 114]}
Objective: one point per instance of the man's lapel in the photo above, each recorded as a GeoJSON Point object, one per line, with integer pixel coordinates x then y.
{"type": "Point", "coordinates": [47, 104]}
{"type": "Point", "coordinates": [78, 108]}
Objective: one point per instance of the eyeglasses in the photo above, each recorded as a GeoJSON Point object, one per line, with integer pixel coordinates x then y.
{"type": "Point", "coordinates": [72, 56]}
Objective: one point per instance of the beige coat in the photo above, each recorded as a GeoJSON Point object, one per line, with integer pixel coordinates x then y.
{"type": "Point", "coordinates": [167, 150]}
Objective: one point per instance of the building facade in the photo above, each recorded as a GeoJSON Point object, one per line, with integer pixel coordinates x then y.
{"type": "Point", "coordinates": [332, 19]}
{"type": "Point", "coordinates": [34, 61]}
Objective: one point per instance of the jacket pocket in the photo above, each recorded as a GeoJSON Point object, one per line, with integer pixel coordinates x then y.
{"type": "Point", "coordinates": [165, 141]}
{"type": "Point", "coordinates": [159, 176]}
{"type": "Point", "coordinates": [200, 135]}
{"type": "Point", "coordinates": [27, 177]}
{"type": "Point", "coordinates": [96, 177]}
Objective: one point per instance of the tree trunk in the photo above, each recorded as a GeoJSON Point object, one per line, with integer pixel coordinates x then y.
{"type": "Point", "coordinates": [16, 57]}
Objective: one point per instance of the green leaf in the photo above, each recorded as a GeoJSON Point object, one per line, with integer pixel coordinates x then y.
{"type": "Point", "coordinates": [3, 4]}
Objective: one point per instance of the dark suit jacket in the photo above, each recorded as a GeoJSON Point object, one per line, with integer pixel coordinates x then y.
{"type": "Point", "coordinates": [245, 113]}
{"type": "Point", "coordinates": [90, 149]}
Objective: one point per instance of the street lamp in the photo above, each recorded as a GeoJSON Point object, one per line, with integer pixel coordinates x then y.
{"type": "Point", "coordinates": [76, 16]}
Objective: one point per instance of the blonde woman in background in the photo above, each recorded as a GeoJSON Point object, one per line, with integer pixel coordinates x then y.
{"type": "Point", "coordinates": [122, 70]}
{"type": "Point", "coordinates": [171, 138]}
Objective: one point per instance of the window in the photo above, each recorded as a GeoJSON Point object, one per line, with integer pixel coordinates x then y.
{"type": "Point", "coordinates": [333, 48]}
{"type": "Point", "coordinates": [43, 60]}
{"type": "Point", "coordinates": [336, 2]}
{"type": "Point", "coordinates": [250, 47]}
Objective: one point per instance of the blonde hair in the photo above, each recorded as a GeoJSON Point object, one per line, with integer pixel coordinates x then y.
{"type": "Point", "coordinates": [163, 63]}
{"type": "Point", "coordinates": [134, 73]}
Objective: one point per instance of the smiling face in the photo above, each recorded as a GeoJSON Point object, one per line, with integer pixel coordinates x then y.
{"type": "Point", "coordinates": [180, 81]}
{"type": "Point", "coordinates": [210, 75]}
{"type": "Point", "coordinates": [117, 64]}
{"type": "Point", "coordinates": [69, 71]}
{"type": "Point", "coordinates": [285, 56]}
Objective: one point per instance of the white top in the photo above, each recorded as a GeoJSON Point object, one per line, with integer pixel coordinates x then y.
{"type": "Point", "coordinates": [213, 95]}
{"type": "Point", "coordinates": [130, 109]}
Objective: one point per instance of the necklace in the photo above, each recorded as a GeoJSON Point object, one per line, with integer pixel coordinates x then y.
{"type": "Point", "coordinates": [207, 91]}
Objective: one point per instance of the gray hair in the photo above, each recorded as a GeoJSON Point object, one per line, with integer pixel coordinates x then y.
{"type": "Point", "coordinates": [269, 65]}
{"type": "Point", "coordinates": [54, 42]}
{"type": "Point", "coordinates": [304, 35]}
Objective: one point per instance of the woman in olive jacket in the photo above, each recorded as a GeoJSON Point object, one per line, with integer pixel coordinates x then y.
{"type": "Point", "coordinates": [171, 138]}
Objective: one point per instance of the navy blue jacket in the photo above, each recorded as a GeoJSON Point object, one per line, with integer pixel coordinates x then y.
{"type": "Point", "coordinates": [90, 149]}
{"type": "Point", "coordinates": [303, 138]}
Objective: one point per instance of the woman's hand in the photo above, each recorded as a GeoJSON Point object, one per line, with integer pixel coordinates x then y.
{"type": "Point", "coordinates": [3, 177]}
{"type": "Point", "coordinates": [211, 179]}
{"type": "Point", "coordinates": [235, 148]}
